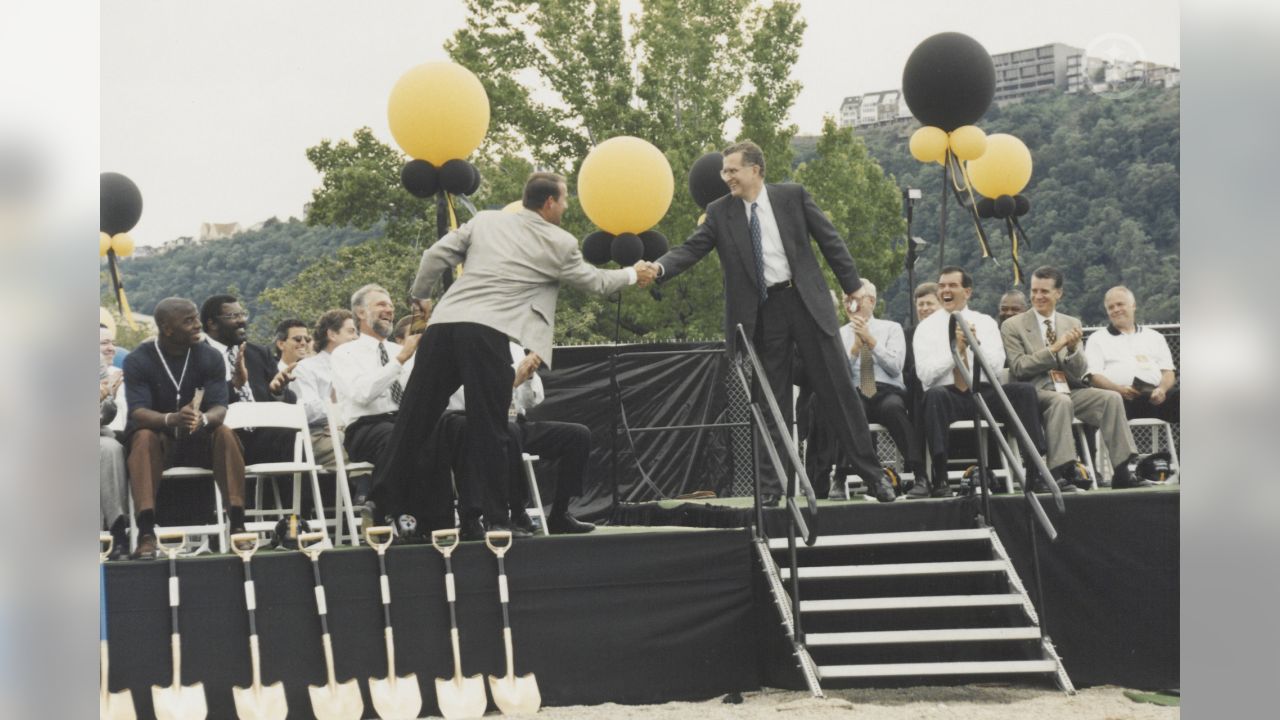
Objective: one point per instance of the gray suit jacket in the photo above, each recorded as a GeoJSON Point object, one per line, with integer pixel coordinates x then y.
{"type": "Point", "coordinates": [798, 218]}
{"type": "Point", "coordinates": [513, 264]}
{"type": "Point", "coordinates": [1029, 357]}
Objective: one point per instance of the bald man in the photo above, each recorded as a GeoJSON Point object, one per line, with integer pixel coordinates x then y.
{"type": "Point", "coordinates": [1133, 360]}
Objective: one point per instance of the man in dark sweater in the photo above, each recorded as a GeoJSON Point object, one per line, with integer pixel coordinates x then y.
{"type": "Point", "coordinates": [166, 428]}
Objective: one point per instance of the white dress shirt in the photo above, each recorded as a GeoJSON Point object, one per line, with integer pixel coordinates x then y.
{"type": "Point", "coordinates": [1120, 358]}
{"type": "Point", "coordinates": [776, 267]}
{"type": "Point", "coordinates": [528, 395]}
{"type": "Point", "coordinates": [222, 350]}
{"type": "Point", "coordinates": [312, 383]}
{"type": "Point", "coordinates": [363, 382]}
{"type": "Point", "coordinates": [932, 346]}
{"type": "Point", "coordinates": [889, 354]}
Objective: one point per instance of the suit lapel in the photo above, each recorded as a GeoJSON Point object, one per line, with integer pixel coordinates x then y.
{"type": "Point", "coordinates": [741, 236]}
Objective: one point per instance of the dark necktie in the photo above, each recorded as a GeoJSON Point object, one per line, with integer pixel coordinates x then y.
{"type": "Point", "coordinates": [866, 372]}
{"type": "Point", "coordinates": [397, 391]}
{"type": "Point", "coordinates": [757, 248]}
{"type": "Point", "coordinates": [1050, 337]}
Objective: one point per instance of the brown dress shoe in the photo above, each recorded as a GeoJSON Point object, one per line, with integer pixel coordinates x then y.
{"type": "Point", "coordinates": [146, 549]}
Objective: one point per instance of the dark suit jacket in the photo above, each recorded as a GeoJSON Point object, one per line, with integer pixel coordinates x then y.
{"type": "Point", "coordinates": [799, 219]}
{"type": "Point", "coordinates": [262, 368]}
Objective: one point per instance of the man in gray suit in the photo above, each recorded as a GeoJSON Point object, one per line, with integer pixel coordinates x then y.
{"type": "Point", "coordinates": [1044, 348]}
{"type": "Point", "coordinates": [514, 265]}
{"type": "Point", "coordinates": [774, 288]}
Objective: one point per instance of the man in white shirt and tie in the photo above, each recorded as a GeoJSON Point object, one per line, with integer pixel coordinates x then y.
{"type": "Point", "coordinates": [946, 396]}
{"type": "Point", "coordinates": [877, 352]}
{"type": "Point", "coordinates": [370, 374]}
{"type": "Point", "coordinates": [313, 379]}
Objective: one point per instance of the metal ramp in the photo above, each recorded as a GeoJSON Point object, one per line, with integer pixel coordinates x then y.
{"type": "Point", "coordinates": [908, 606]}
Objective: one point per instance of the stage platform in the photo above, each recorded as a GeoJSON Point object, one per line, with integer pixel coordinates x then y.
{"type": "Point", "coordinates": [641, 614]}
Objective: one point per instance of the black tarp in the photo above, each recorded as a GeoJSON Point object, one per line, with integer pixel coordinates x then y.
{"type": "Point", "coordinates": [628, 618]}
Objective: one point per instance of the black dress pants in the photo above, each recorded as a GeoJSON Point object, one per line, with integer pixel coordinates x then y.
{"type": "Point", "coordinates": [783, 327]}
{"type": "Point", "coordinates": [888, 407]}
{"type": "Point", "coordinates": [477, 358]}
{"type": "Point", "coordinates": [945, 404]}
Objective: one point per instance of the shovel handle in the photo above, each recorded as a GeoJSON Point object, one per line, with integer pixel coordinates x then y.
{"type": "Point", "coordinates": [493, 535]}
{"type": "Point", "coordinates": [312, 543]}
{"type": "Point", "coordinates": [171, 542]}
{"type": "Point", "coordinates": [439, 538]}
{"type": "Point", "coordinates": [245, 545]}
{"type": "Point", "coordinates": [105, 544]}
{"type": "Point", "coordinates": [379, 537]}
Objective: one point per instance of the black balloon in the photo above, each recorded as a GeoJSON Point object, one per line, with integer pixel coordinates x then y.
{"type": "Point", "coordinates": [1021, 205]}
{"type": "Point", "coordinates": [596, 247]}
{"type": "Point", "coordinates": [1004, 206]}
{"type": "Point", "coordinates": [949, 81]}
{"type": "Point", "coordinates": [705, 183]}
{"type": "Point", "coordinates": [455, 176]}
{"type": "Point", "coordinates": [627, 249]}
{"type": "Point", "coordinates": [120, 204]}
{"type": "Point", "coordinates": [986, 208]}
{"type": "Point", "coordinates": [475, 180]}
{"type": "Point", "coordinates": [420, 178]}
{"type": "Point", "coordinates": [655, 245]}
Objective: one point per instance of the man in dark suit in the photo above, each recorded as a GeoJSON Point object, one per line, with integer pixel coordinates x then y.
{"type": "Point", "coordinates": [774, 288]}
{"type": "Point", "coordinates": [252, 375]}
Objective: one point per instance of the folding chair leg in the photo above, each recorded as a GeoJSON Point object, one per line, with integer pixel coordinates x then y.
{"type": "Point", "coordinates": [534, 493]}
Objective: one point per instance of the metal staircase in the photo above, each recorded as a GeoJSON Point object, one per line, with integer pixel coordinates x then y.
{"type": "Point", "coordinates": [909, 606]}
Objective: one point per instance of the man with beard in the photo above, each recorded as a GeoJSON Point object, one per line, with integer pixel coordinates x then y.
{"type": "Point", "coordinates": [252, 375]}
{"type": "Point", "coordinates": [370, 374]}
{"type": "Point", "coordinates": [165, 428]}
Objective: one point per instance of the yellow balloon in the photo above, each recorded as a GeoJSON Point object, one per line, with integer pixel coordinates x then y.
{"type": "Point", "coordinates": [1004, 169]}
{"type": "Point", "coordinates": [104, 243]}
{"type": "Point", "coordinates": [625, 185]}
{"type": "Point", "coordinates": [929, 144]}
{"type": "Point", "coordinates": [122, 244]}
{"type": "Point", "coordinates": [968, 142]}
{"type": "Point", "coordinates": [513, 207]}
{"type": "Point", "coordinates": [438, 111]}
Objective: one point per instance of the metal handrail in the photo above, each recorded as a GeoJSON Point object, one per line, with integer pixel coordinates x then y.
{"type": "Point", "coordinates": [1020, 432]}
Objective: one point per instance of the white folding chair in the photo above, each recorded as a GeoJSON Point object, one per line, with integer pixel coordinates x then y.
{"type": "Point", "coordinates": [534, 495]}
{"type": "Point", "coordinates": [285, 416]}
{"type": "Point", "coordinates": [344, 471]}
{"type": "Point", "coordinates": [887, 452]}
{"type": "Point", "coordinates": [217, 528]}
{"type": "Point", "coordinates": [1153, 429]}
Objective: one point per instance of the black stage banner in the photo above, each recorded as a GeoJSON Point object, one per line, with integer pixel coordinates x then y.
{"type": "Point", "coordinates": [629, 618]}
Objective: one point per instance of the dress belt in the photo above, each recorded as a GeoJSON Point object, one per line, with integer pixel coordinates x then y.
{"type": "Point", "coordinates": [778, 287]}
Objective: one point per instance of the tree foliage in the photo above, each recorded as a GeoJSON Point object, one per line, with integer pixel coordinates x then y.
{"type": "Point", "coordinates": [1104, 203]}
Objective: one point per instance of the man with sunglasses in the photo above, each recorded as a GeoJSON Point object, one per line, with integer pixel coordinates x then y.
{"type": "Point", "coordinates": [293, 343]}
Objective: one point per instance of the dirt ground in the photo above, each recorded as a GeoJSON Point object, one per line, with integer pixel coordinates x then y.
{"type": "Point", "coordinates": [974, 702]}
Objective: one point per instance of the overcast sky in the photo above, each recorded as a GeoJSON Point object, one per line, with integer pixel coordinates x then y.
{"type": "Point", "coordinates": [210, 106]}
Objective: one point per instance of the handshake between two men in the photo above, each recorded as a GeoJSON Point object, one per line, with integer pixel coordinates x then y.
{"type": "Point", "coordinates": [646, 273]}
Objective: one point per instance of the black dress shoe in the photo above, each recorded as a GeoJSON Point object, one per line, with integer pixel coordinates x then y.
{"type": "Point", "coordinates": [507, 527]}
{"type": "Point", "coordinates": [146, 549]}
{"type": "Point", "coordinates": [520, 519]}
{"type": "Point", "coordinates": [770, 499]}
{"type": "Point", "coordinates": [471, 529]}
{"type": "Point", "coordinates": [566, 524]}
{"type": "Point", "coordinates": [882, 489]}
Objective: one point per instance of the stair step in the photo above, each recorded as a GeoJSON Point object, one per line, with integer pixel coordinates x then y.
{"type": "Point", "coordinates": [883, 637]}
{"type": "Point", "coordinates": [893, 538]}
{"type": "Point", "coordinates": [988, 667]}
{"type": "Point", "coordinates": [934, 568]}
{"type": "Point", "coordinates": [906, 603]}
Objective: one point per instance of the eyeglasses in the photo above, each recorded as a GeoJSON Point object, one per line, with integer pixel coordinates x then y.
{"type": "Point", "coordinates": [234, 316]}
{"type": "Point", "coordinates": [301, 339]}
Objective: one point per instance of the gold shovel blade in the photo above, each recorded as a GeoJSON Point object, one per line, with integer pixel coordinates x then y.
{"type": "Point", "coordinates": [264, 703]}
{"type": "Point", "coordinates": [399, 700]}
{"type": "Point", "coordinates": [516, 694]}
{"type": "Point", "coordinates": [461, 697]}
{"type": "Point", "coordinates": [184, 702]}
{"type": "Point", "coordinates": [117, 706]}
{"type": "Point", "coordinates": [340, 701]}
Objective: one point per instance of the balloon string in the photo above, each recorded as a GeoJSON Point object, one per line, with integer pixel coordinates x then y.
{"type": "Point", "coordinates": [961, 170]}
{"type": "Point", "coordinates": [121, 299]}
{"type": "Point", "coordinates": [1025, 240]}
{"type": "Point", "coordinates": [1013, 245]}
{"type": "Point", "coordinates": [453, 219]}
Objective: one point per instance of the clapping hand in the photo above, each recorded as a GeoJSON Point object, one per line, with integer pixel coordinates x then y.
{"type": "Point", "coordinates": [241, 374]}
{"type": "Point", "coordinates": [283, 378]}
{"type": "Point", "coordinates": [527, 367]}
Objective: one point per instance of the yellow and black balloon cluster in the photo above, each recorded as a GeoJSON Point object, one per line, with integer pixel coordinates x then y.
{"type": "Point", "coordinates": [625, 186]}
{"type": "Point", "coordinates": [120, 208]}
{"type": "Point", "coordinates": [948, 83]}
{"type": "Point", "coordinates": [438, 113]}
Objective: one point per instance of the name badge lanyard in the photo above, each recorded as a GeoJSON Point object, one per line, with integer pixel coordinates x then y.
{"type": "Point", "coordinates": [177, 384]}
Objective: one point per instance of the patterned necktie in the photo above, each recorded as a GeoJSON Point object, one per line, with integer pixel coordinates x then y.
{"type": "Point", "coordinates": [757, 249]}
{"type": "Point", "coordinates": [1050, 337]}
{"type": "Point", "coordinates": [244, 392]}
{"type": "Point", "coordinates": [397, 391]}
{"type": "Point", "coordinates": [866, 372]}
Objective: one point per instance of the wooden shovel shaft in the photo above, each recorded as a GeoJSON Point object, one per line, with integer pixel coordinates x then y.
{"type": "Point", "coordinates": [391, 656]}
{"type": "Point", "coordinates": [256, 662]}
{"type": "Point", "coordinates": [175, 645]}
{"type": "Point", "coordinates": [457, 656]}
{"type": "Point", "coordinates": [328, 662]}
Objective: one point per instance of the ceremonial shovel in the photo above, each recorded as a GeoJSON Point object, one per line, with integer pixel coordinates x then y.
{"type": "Point", "coordinates": [333, 701]}
{"type": "Point", "coordinates": [255, 702]}
{"type": "Point", "coordinates": [513, 695]}
{"type": "Point", "coordinates": [178, 701]}
{"type": "Point", "coordinates": [394, 698]}
{"type": "Point", "coordinates": [461, 697]}
{"type": "Point", "coordinates": [111, 705]}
